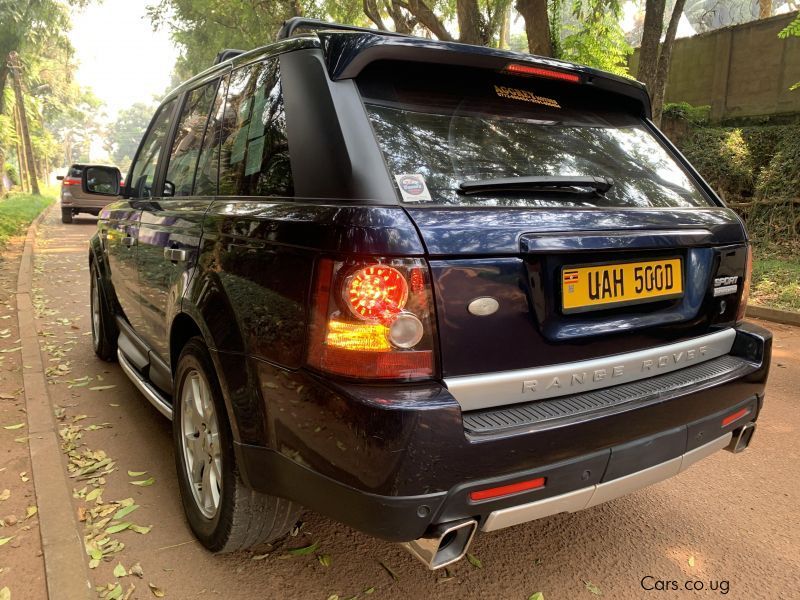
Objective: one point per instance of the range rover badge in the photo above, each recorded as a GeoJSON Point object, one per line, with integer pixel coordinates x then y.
{"type": "Point", "coordinates": [483, 306]}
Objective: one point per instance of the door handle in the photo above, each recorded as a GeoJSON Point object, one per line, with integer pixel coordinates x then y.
{"type": "Point", "coordinates": [128, 241]}
{"type": "Point", "coordinates": [175, 254]}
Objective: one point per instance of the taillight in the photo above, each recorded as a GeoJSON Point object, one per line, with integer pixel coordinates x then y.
{"type": "Point", "coordinates": [748, 273]}
{"type": "Point", "coordinates": [523, 69]}
{"type": "Point", "coordinates": [373, 319]}
{"type": "Point", "coordinates": [71, 181]}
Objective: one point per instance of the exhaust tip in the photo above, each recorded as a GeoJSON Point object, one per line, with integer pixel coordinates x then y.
{"type": "Point", "coordinates": [742, 438]}
{"type": "Point", "coordinates": [444, 544]}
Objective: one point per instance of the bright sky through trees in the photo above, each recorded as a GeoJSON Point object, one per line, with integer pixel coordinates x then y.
{"type": "Point", "coordinates": [121, 58]}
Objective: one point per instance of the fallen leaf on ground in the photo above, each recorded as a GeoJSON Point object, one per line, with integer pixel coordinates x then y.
{"type": "Point", "coordinates": [120, 571]}
{"type": "Point", "coordinates": [100, 388]}
{"type": "Point", "coordinates": [474, 561]}
{"type": "Point", "coordinates": [93, 495]}
{"type": "Point", "coordinates": [304, 550]}
{"type": "Point", "coordinates": [31, 511]}
{"type": "Point", "coordinates": [16, 426]}
{"type": "Point", "coordinates": [5, 594]}
{"type": "Point", "coordinates": [259, 556]}
{"type": "Point", "coordinates": [115, 593]}
{"type": "Point", "coordinates": [388, 570]}
{"type": "Point", "coordinates": [593, 588]}
{"type": "Point", "coordinates": [24, 476]}
{"type": "Point", "coordinates": [5, 495]}
{"type": "Point", "coordinates": [118, 527]}
{"type": "Point", "coordinates": [536, 596]}
{"type": "Point", "coordinates": [125, 510]}
{"type": "Point", "coordinates": [157, 591]}
{"type": "Point", "coordinates": [5, 540]}
{"type": "Point", "coordinates": [136, 473]}
{"type": "Point", "coordinates": [7, 397]}
{"type": "Point", "coordinates": [324, 560]}
{"type": "Point", "coordinates": [144, 482]}
{"type": "Point", "coordinates": [691, 561]}
{"type": "Point", "coordinates": [140, 528]}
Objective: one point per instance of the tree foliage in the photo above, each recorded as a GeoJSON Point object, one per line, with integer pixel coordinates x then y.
{"type": "Point", "coordinates": [597, 39]}
{"type": "Point", "coordinates": [125, 132]}
{"type": "Point", "coordinates": [37, 31]}
{"type": "Point", "coordinates": [792, 29]}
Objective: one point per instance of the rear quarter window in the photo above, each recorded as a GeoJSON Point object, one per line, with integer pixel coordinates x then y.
{"type": "Point", "coordinates": [445, 125]}
{"type": "Point", "coordinates": [254, 159]}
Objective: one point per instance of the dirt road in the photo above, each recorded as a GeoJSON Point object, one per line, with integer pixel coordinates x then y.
{"type": "Point", "coordinates": [731, 522]}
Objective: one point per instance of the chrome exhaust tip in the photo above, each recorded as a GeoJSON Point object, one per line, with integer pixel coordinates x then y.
{"type": "Point", "coordinates": [444, 544]}
{"type": "Point", "coordinates": [742, 438]}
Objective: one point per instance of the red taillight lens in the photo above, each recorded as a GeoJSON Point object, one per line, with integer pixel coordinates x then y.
{"type": "Point", "coordinates": [71, 181]}
{"type": "Point", "coordinates": [507, 490]}
{"type": "Point", "coordinates": [377, 292]}
{"type": "Point", "coordinates": [748, 273]}
{"type": "Point", "coordinates": [523, 69]}
{"type": "Point", "coordinates": [373, 320]}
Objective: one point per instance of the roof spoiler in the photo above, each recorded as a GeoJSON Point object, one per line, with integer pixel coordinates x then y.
{"type": "Point", "coordinates": [291, 25]}
{"type": "Point", "coordinates": [227, 54]}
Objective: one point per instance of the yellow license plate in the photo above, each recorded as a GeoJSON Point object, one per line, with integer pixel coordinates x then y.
{"type": "Point", "coordinates": [606, 286]}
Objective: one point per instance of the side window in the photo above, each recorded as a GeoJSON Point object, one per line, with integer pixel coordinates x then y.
{"type": "Point", "coordinates": [254, 158]}
{"type": "Point", "coordinates": [205, 181]}
{"type": "Point", "coordinates": [188, 140]}
{"type": "Point", "coordinates": [144, 171]}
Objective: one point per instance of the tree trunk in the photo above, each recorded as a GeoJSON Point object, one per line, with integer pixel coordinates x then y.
{"type": "Point", "coordinates": [651, 37]}
{"type": "Point", "coordinates": [470, 30]}
{"type": "Point", "coordinates": [22, 169]}
{"type": "Point", "coordinates": [374, 14]}
{"type": "Point", "coordinates": [403, 22]}
{"type": "Point", "coordinates": [427, 18]}
{"type": "Point", "coordinates": [505, 30]}
{"type": "Point", "coordinates": [537, 26]}
{"type": "Point", "coordinates": [664, 60]}
{"type": "Point", "coordinates": [23, 132]}
{"type": "Point", "coordinates": [764, 9]}
{"type": "Point", "coordinates": [2, 172]}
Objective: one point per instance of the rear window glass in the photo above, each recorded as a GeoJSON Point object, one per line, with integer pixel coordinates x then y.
{"type": "Point", "coordinates": [438, 127]}
{"type": "Point", "coordinates": [75, 171]}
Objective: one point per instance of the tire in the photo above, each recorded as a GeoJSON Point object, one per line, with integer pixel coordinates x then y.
{"type": "Point", "coordinates": [229, 516]}
{"type": "Point", "coordinates": [66, 215]}
{"type": "Point", "coordinates": [104, 328]}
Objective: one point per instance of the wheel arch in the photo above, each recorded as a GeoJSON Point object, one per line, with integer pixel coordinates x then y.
{"type": "Point", "coordinates": [232, 372]}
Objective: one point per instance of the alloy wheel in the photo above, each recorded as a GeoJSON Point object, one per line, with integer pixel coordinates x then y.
{"type": "Point", "coordinates": [200, 443]}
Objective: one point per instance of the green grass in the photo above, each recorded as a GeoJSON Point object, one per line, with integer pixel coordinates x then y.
{"type": "Point", "coordinates": [776, 282]}
{"type": "Point", "coordinates": [17, 211]}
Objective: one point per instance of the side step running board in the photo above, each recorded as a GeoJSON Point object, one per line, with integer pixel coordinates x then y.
{"type": "Point", "coordinates": [152, 395]}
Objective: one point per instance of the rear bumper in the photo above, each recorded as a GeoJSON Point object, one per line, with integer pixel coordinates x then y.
{"type": "Point", "coordinates": [395, 461]}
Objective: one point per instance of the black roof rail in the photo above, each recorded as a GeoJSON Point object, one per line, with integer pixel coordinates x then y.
{"type": "Point", "coordinates": [226, 54]}
{"type": "Point", "coordinates": [290, 25]}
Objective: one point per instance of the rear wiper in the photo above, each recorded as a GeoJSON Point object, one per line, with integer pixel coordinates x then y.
{"type": "Point", "coordinates": [536, 183]}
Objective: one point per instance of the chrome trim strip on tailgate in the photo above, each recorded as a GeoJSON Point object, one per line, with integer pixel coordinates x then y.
{"type": "Point", "coordinates": [602, 492]}
{"type": "Point", "coordinates": [474, 392]}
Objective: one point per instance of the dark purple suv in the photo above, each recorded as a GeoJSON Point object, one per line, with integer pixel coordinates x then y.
{"type": "Point", "coordinates": [424, 288]}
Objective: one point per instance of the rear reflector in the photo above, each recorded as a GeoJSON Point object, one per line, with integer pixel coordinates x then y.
{"type": "Point", "coordinates": [735, 416]}
{"type": "Point", "coordinates": [521, 69]}
{"type": "Point", "coordinates": [71, 181]}
{"type": "Point", "coordinates": [507, 490]}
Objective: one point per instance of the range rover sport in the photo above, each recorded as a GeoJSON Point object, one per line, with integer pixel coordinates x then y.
{"type": "Point", "coordinates": [424, 288]}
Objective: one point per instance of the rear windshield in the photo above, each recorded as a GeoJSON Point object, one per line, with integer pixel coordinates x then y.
{"type": "Point", "coordinates": [75, 171]}
{"type": "Point", "coordinates": [442, 126]}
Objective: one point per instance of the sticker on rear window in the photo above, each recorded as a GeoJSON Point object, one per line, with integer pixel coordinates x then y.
{"type": "Point", "coordinates": [524, 95]}
{"type": "Point", "coordinates": [413, 188]}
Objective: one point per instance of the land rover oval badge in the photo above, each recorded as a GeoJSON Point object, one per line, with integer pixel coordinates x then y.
{"type": "Point", "coordinates": [483, 306]}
